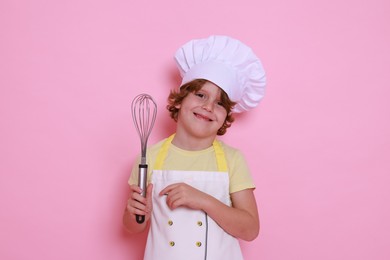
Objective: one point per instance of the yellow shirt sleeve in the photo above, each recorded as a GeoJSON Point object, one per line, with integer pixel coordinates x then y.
{"type": "Point", "coordinates": [239, 173]}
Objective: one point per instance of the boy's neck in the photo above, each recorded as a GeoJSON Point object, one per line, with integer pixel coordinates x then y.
{"type": "Point", "coordinates": [192, 143]}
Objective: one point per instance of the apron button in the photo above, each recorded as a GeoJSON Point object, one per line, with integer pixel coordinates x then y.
{"type": "Point", "coordinates": [200, 223]}
{"type": "Point", "coordinates": [172, 243]}
{"type": "Point", "coordinates": [170, 222]}
{"type": "Point", "coordinates": [198, 244]}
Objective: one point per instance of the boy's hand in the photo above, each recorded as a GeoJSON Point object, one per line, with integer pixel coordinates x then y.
{"type": "Point", "coordinates": [184, 195]}
{"type": "Point", "coordinates": [138, 205]}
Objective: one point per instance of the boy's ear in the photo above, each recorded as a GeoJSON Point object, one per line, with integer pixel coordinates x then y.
{"type": "Point", "coordinates": [178, 106]}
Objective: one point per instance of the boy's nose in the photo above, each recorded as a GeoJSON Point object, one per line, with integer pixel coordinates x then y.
{"type": "Point", "coordinates": [209, 106]}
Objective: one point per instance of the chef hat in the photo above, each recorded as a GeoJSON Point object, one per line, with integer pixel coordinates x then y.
{"type": "Point", "coordinates": [226, 62]}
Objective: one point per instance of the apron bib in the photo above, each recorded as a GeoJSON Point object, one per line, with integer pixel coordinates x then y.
{"type": "Point", "coordinates": [186, 233]}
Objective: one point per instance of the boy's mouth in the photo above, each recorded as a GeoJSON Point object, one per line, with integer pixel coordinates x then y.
{"type": "Point", "coordinates": [200, 116]}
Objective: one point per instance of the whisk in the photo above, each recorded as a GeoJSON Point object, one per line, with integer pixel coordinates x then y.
{"type": "Point", "coordinates": [144, 110]}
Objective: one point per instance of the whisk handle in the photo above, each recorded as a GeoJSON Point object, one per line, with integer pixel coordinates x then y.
{"type": "Point", "coordinates": [142, 180]}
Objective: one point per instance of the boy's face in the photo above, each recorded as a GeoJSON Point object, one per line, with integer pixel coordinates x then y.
{"type": "Point", "coordinates": [201, 113]}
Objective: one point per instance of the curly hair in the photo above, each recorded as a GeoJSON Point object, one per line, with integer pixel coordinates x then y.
{"type": "Point", "coordinates": [175, 98]}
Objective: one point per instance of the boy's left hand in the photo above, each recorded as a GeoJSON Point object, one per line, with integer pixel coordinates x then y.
{"type": "Point", "coordinates": [184, 195]}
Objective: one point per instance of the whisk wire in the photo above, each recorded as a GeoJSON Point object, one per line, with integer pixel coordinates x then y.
{"type": "Point", "coordinates": [144, 110]}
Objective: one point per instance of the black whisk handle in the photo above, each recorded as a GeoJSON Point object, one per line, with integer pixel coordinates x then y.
{"type": "Point", "coordinates": [142, 181]}
{"type": "Point", "coordinates": [140, 219]}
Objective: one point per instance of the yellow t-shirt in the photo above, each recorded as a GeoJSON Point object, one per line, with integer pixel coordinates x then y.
{"type": "Point", "coordinates": [203, 160]}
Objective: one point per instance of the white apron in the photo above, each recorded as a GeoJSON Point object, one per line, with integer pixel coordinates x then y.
{"type": "Point", "coordinates": [186, 234]}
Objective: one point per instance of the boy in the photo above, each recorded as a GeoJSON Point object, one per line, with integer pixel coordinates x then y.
{"type": "Point", "coordinates": [200, 196]}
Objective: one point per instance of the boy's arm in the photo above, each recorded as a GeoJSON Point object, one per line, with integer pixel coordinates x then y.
{"type": "Point", "coordinates": [241, 220]}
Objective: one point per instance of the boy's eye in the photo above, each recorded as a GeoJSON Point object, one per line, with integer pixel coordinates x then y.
{"type": "Point", "coordinates": [199, 95]}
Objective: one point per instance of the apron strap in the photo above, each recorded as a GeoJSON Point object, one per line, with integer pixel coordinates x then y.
{"type": "Point", "coordinates": [219, 153]}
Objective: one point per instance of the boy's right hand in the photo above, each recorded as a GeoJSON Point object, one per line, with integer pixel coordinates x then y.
{"type": "Point", "coordinates": [138, 205]}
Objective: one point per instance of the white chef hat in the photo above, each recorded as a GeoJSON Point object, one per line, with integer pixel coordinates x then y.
{"type": "Point", "coordinates": [226, 62]}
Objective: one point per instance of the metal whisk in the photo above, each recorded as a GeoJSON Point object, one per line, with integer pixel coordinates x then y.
{"type": "Point", "coordinates": [144, 111]}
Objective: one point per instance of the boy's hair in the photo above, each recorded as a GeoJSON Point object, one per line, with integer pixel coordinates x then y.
{"type": "Point", "coordinates": [176, 98]}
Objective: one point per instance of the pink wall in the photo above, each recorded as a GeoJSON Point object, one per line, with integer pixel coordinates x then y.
{"type": "Point", "coordinates": [318, 145]}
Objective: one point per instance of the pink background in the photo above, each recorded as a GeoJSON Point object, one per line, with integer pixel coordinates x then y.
{"type": "Point", "coordinates": [318, 145]}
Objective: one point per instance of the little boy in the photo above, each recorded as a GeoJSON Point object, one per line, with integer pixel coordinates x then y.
{"type": "Point", "coordinates": [200, 194]}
